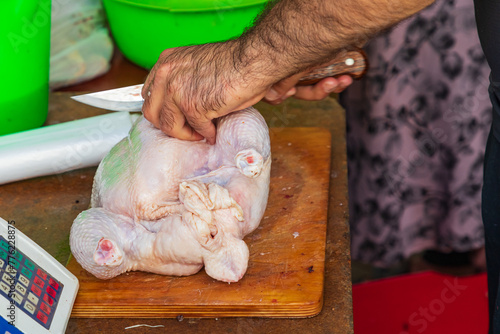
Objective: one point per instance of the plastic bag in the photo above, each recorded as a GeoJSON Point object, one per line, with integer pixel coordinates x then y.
{"type": "Point", "coordinates": [81, 47]}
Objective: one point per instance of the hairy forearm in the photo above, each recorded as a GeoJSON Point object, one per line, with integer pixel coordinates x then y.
{"type": "Point", "coordinates": [293, 35]}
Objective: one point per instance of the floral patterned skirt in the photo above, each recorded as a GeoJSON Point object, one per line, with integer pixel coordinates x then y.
{"type": "Point", "coordinates": [417, 125]}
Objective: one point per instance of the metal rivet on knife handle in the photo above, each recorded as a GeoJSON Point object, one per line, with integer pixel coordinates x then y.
{"type": "Point", "coordinates": [351, 62]}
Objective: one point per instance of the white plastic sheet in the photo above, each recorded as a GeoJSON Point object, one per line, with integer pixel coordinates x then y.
{"type": "Point", "coordinates": [62, 147]}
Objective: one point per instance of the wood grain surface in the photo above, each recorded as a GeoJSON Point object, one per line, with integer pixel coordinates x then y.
{"type": "Point", "coordinates": [285, 276]}
{"type": "Point", "coordinates": [348, 62]}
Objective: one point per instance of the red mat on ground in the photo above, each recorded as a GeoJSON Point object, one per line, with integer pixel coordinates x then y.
{"type": "Point", "coordinates": [426, 302]}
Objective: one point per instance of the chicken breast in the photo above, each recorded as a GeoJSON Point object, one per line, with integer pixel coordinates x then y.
{"type": "Point", "coordinates": [170, 207]}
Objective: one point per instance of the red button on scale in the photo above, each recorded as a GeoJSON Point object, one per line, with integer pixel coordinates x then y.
{"type": "Point", "coordinates": [42, 317]}
{"type": "Point", "coordinates": [39, 282]}
{"type": "Point", "coordinates": [48, 300]}
{"type": "Point", "coordinates": [45, 308]}
{"type": "Point", "coordinates": [36, 290]}
{"type": "Point", "coordinates": [51, 292]}
{"type": "Point", "coordinates": [41, 274]}
{"type": "Point", "coordinates": [53, 284]}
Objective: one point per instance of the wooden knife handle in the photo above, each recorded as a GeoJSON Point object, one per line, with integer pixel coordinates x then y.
{"type": "Point", "coordinates": [351, 62]}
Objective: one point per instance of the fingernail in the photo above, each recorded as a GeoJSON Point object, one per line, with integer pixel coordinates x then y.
{"type": "Point", "coordinates": [330, 87]}
{"type": "Point", "coordinates": [345, 81]}
{"type": "Point", "coordinates": [290, 93]}
{"type": "Point", "coordinates": [272, 95]}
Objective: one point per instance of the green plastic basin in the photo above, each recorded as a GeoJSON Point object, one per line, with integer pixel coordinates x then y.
{"type": "Point", "coordinates": [24, 57]}
{"type": "Point", "coordinates": [142, 29]}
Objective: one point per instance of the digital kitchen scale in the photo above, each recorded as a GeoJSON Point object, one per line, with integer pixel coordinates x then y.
{"type": "Point", "coordinates": [36, 292]}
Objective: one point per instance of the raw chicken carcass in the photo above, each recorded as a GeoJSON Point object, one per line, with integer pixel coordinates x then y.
{"type": "Point", "coordinates": [170, 207]}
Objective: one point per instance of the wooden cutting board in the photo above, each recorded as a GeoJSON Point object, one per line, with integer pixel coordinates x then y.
{"type": "Point", "coordinates": [287, 252]}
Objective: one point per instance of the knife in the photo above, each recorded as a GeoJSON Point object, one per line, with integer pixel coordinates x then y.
{"type": "Point", "coordinates": [351, 62]}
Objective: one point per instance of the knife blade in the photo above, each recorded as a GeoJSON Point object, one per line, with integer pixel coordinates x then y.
{"type": "Point", "coordinates": [351, 62]}
{"type": "Point", "coordinates": [119, 99]}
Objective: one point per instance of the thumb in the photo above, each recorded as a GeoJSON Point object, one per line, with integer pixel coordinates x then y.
{"type": "Point", "coordinates": [206, 128]}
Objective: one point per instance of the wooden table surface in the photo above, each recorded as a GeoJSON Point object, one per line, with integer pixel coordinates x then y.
{"type": "Point", "coordinates": [44, 209]}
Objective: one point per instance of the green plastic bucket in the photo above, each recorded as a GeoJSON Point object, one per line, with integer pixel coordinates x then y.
{"type": "Point", "coordinates": [24, 56]}
{"type": "Point", "coordinates": [142, 29]}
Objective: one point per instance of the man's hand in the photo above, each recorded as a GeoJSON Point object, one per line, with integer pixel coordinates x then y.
{"type": "Point", "coordinates": [182, 95]}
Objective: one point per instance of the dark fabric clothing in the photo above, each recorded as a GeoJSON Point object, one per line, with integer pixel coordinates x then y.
{"type": "Point", "coordinates": [488, 24]}
{"type": "Point", "coordinates": [490, 210]}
